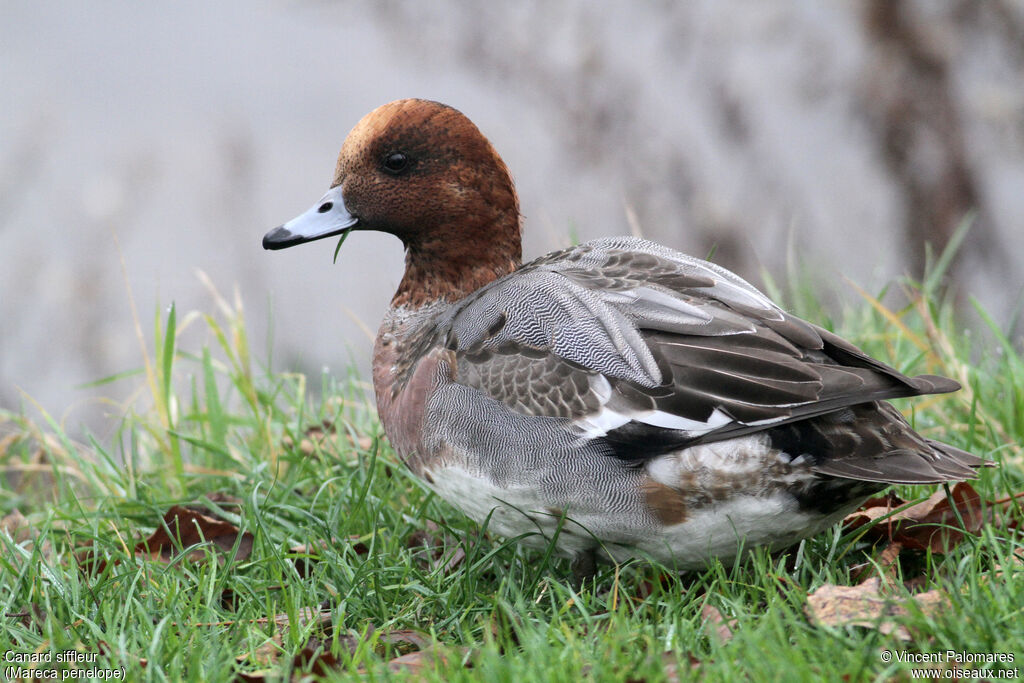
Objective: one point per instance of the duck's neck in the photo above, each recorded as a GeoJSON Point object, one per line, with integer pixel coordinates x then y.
{"type": "Point", "coordinates": [451, 262]}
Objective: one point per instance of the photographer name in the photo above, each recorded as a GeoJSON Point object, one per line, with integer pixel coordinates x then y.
{"type": "Point", "coordinates": [959, 657]}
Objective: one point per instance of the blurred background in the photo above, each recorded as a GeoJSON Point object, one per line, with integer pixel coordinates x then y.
{"type": "Point", "coordinates": [143, 142]}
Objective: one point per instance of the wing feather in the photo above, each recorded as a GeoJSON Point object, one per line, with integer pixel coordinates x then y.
{"type": "Point", "coordinates": [653, 350]}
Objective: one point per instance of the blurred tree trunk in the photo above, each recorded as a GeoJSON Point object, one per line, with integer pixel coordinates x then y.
{"type": "Point", "coordinates": [910, 100]}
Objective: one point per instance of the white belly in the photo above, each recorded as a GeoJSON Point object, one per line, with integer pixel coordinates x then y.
{"type": "Point", "coordinates": [721, 529]}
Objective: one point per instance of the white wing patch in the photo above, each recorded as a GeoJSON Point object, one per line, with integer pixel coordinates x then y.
{"type": "Point", "coordinates": [605, 420]}
{"type": "Point", "coordinates": [659, 418]}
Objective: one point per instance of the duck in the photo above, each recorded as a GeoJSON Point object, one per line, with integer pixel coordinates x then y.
{"type": "Point", "coordinates": [613, 400]}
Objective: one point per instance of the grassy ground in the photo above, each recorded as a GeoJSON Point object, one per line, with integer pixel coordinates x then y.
{"type": "Point", "coordinates": [325, 544]}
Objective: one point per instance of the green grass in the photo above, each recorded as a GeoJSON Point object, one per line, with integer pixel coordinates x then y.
{"type": "Point", "coordinates": [213, 422]}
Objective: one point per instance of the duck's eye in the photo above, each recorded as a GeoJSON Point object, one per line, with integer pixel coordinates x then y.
{"type": "Point", "coordinates": [396, 162]}
{"type": "Point", "coordinates": [325, 207]}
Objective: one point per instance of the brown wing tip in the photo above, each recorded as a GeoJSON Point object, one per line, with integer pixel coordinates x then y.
{"type": "Point", "coordinates": [943, 463]}
{"type": "Point", "coordinates": [935, 384]}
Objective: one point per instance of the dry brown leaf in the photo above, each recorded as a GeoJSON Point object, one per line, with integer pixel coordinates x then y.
{"type": "Point", "coordinates": [268, 652]}
{"type": "Point", "coordinates": [90, 561]}
{"type": "Point", "coordinates": [418, 650]}
{"type": "Point", "coordinates": [889, 555]}
{"type": "Point", "coordinates": [655, 579]}
{"type": "Point", "coordinates": [930, 521]}
{"type": "Point", "coordinates": [721, 629]}
{"type": "Point", "coordinates": [185, 526]}
{"type": "Point", "coordinates": [316, 658]}
{"type": "Point", "coordinates": [886, 562]}
{"type": "Point", "coordinates": [363, 443]}
{"type": "Point", "coordinates": [303, 617]}
{"type": "Point", "coordinates": [932, 524]}
{"type": "Point", "coordinates": [221, 497]}
{"type": "Point", "coordinates": [21, 531]}
{"type": "Point", "coordinates": [865, 605]}
{"type": "Point", "coordinates": [1008, 512]}
{"type": "Point", "coordinates": [453, 562]}
{"type": "Point", "coordinates": [872, 509]}
{"type": "Point", "coordinates": [427, 658]}
{"type": "Point", "coordinates": [406, 640]}
{"type": "Point", "coordinates": [264, 654]}
{"type": "Point", "coordinates": [670, 665]}
{"type": "Point", "coordinates": [190, 524]}
{"type": "Point", "coordinates": [1012, 568]}
{"type": "Point", "coordinates": [17, 527]}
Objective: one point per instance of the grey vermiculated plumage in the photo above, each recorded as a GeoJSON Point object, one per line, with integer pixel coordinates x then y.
{"type": "Point", "coordinates": [629, 326]}
{"type": "Point", "coordinates": [616, 399]}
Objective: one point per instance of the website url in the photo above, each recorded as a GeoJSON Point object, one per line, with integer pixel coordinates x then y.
{"type": "Point", "coordinates": [965, 674]}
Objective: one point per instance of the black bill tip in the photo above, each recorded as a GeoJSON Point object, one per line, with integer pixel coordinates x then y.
{"type": "Point", "coordinates": [280, 238]}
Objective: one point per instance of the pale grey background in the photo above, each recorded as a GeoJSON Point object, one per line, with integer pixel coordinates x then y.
{"type": "Point", "coordinates": [189, 128]}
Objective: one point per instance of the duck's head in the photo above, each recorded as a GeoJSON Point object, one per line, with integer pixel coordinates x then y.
{"type": "Point", "coordinates": [423, 172]}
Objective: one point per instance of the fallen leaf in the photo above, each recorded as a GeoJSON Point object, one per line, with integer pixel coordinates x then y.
{"type": "Point", "coordinates": [303, 617]}
{"type": "Point", "coordinates": [269, 651]}
{"type": "Point", "coordinates": [1009, 512]}
{"type": "Point", "coordinates": [427, 658]}
{"type": "Point", "coordinates": [406, 640]}
{"type": "Point", "coordinates": [185, 526]}
{"type": "Point", "coordinates": [670, 665]}
{"type": "Point", "coordinates": [418, 651]}
{"type": "Point", "coordinates": [886, 562]}
{"type": "Point", "coordinates": [1012, 568]}
{"type": "Point", "coordinates": [872, 509]}
{"type": "Point", "coordinates": [21, 531]}
{"type": "Point", "coordinates": [656, 579]}
{"type": "Point", "coordinates": [160, 546]}
{"type": "Point", "coordinates": [17, 527]}
{"type": "Point", "coordinates": [316, 658]}
{"type": "Point", "coordinates": [865, 605]}
{"type": "Point", "coordinates": [90, 561]}
{"type": "Point", "coordinates": [890, 554]}
{"type": "Point", "coordinates": [265, 654]}
{"type": "Point", "coordinates": [933, 524]}
{"type": "Point", "coordinates": [916, 584]}
{"type": "Point", "coordinates": [722, 629]}
{"type": "Point", "coordinates": [363, 443]}
{"type": "Point", "coordinates": [671, 668]}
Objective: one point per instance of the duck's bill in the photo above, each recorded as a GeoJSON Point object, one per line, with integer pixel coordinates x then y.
{"type": "Point", "coordinates": [326, 218]}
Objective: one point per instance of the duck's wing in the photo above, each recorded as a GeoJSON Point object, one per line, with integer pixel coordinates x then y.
{"type": "Point", "coordinates": [652, 350]}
